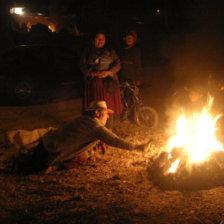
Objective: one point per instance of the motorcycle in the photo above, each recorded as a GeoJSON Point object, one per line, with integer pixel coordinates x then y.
{"type": "Point", "coordinates": [134, 109]}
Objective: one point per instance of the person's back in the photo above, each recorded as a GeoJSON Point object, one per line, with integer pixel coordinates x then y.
{"type": "Point", "coordinates": [71, 137]}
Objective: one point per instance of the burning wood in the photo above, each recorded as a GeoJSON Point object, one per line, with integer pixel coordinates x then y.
{"type": "Point", "coordinates": [193, 149]}
{"type": "Point", "coordinates": [195, 136]}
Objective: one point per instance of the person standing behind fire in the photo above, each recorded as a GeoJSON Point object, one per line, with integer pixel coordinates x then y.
{"type": "Point", "coordinates": [98, 63]}
{"type": "Point", "coordinates": [131, 68]}
{"type": "Point", "coordinates": [130, 56]}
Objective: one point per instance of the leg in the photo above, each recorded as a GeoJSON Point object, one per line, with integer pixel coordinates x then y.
{"type": "Point", "coordinates": [75, 160]}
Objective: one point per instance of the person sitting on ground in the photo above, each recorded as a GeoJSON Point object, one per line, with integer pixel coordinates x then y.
{"type": "Point", "coordinates": [60, 148]}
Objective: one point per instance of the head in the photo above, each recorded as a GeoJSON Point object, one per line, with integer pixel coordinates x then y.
{"type": "Point", "coordinates": [131, 38]}
{"type": "Point", "coordinates": [102, 115]}
{"type": "Point", "coordinates": [99, 40]}
{"type": "Point", "coordinates": [99, 110]}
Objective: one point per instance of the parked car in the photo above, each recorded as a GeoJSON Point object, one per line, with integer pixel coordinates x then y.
{"type": "Point", "coordinates": [39, 73]}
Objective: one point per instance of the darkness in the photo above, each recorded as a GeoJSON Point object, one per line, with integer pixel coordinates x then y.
{"type": "Point", "coordinates": [174, 15]}
{"type": "Point", "coordinates": [187, 36]}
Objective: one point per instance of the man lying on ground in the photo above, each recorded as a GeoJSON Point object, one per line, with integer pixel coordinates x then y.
{"type": "Point", "coordinates": [60, 148]}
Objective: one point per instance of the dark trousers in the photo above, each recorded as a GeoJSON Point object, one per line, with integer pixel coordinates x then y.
{"type": "Point", "coordinates": [39, 159]}
{"type": "Point", "coordinates": [33, 162]}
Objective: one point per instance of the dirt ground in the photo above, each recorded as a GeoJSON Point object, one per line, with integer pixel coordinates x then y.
{"type": "Point", "coordinates": [116, 188]}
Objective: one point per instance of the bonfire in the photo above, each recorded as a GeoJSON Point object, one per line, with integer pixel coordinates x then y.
{"type": "Point", "coordinates": [192, 146]}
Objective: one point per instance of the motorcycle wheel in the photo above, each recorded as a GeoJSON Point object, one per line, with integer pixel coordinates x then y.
{"type": "Point", "coordinates": [147, 117]}
{"type": "Point", "coordinates": [23, 90]}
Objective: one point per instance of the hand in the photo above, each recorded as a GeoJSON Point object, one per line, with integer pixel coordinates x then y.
{"type": "Point", "coordinates": [96, 74]}
{"type": "Point", "coordinates": [102, 75]}
{"type": "Point", "coordinates": [99, 74]}
{"type": "Point", "coordinates": [143, 147]}
{"type": "Point", "coordinates": [138, 83]}
{"type": "Point", "coordinates": [105, 74]}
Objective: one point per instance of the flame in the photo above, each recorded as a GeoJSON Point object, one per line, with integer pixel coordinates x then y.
{"type": "Point", "coordinates": [174, 166]}
{"type": "Point", "coordinates": [52, 27]}
{"type": "Point", "coordinates": [195, 134]}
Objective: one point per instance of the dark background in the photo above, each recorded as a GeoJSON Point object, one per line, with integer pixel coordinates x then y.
{"type": "Point", "coordinates": [186, 36]}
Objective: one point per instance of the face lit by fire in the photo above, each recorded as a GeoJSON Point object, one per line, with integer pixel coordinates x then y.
{"type": "Point", "coordinates": [102, 116]}
{"type": "Point", "coordinates": [99, 40]}
{"type": "Point", "coordinates": [129, 40]}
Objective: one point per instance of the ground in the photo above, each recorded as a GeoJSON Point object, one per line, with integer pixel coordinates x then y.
{"type": "Point", "coordinates": [116, 188]}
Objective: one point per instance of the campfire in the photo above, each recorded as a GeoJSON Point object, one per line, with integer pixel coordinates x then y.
{"type": "Point", "coordinates": [193, 150]}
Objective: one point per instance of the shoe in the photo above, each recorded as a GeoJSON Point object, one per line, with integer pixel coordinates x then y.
{"type": "Point", "coordinates": [104, 147]}
{"type": "Point", "coordinates": [51, 169]}
{"type": "Point", "coordinates": [77, 161]}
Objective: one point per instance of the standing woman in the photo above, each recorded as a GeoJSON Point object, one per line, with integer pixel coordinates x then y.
{"type": "Point", "coordinates": [99, 65]}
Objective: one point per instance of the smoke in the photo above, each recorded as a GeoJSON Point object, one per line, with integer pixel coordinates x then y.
{"type": "Point", "coordinates": [197, 50]}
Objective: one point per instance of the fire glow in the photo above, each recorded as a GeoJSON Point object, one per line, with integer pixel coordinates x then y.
{"type": "Point", "coordinates": [195, 135]}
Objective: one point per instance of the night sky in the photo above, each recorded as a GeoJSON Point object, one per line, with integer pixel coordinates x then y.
{"type": "Point", "coordinates": [193, 12]}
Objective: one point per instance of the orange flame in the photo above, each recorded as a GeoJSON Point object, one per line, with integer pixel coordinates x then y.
{"type": "Point", "coordinates": [195, 134]}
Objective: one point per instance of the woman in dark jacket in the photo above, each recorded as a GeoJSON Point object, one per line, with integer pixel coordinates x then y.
{"type": "Point", "coordinates": [99, 65]}
{"type": "Point", "coordinates": [130, 56]}
{"type": "Point", "coordinates": [131, 68]}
